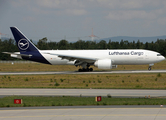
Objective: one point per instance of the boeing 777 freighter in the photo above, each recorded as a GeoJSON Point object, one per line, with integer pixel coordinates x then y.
{"type": "Point", "coordinates": [103, 59]}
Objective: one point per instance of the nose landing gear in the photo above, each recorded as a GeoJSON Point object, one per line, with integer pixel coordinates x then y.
{"type": "Point", "coordinates": [150, 66]}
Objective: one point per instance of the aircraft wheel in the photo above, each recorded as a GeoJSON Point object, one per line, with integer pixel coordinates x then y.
{"type": "Point", "coordinates": [85, 70]}
{"type": "Point", "coordinates": [79, 70]}
{"type": "Point", "coordinates": [91, 69]}
{"type": "Point", "coordinates": [149, 68]}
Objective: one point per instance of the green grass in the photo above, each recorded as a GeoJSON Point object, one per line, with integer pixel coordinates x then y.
{"type": "Point", "coordinates": [22, 67]}
{"type": "Point", "coordinates": [116, 81]}
{"type": "Point", "coordinates": [105, 81]}
{"type": "Point", "coordinates": [76, 101]}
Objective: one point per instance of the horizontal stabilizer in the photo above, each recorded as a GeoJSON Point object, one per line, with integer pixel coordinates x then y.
{"type": "Point", "coordinates": [17, 54]}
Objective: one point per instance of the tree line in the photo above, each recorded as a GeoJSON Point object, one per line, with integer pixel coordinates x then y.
{"type": "Point", "coordinates": [43, 44]}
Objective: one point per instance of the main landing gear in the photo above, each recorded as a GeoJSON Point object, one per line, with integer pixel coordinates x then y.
{"type": "Point", "coordinates": [85, 70]}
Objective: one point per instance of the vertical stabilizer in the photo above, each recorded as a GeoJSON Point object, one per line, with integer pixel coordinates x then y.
{"type": "Point", "coordinates": [28, 50]}
{"type": "Point", "coordinates": [23, 43]}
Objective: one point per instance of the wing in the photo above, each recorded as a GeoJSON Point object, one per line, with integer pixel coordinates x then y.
{"type": "Point", "coordinates": [78, 59]}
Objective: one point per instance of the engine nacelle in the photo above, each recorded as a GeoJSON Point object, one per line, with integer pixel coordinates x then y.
{"type": "Point", "coordinates": [104, 64]}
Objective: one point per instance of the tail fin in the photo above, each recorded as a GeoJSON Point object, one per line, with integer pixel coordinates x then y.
{"type": "Point", "coordinates": [28, 50]}
{"type": "Point", "coordinates": [23, 43]}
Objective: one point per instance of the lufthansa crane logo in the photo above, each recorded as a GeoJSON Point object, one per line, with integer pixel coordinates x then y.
{"type": "Point", "coordinates": [23, 44]}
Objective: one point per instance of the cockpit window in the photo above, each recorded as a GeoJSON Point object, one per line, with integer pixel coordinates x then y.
{"type": "Point", "coordinates": [158, 54]}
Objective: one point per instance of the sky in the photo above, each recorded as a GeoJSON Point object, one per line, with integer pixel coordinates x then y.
{"type": "Point", "coordinates": [74, 19]}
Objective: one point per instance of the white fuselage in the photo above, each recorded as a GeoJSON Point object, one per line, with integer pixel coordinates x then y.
{"type": "Point", "coordinates": [103, 59]}
{"type": "Point", "coordinates": [118, 57]}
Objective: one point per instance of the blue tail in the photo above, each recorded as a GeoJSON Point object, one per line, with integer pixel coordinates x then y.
{"type": "Point", "coordinates": [23, 43]}
{"type": "Point", "coordinates": [26, 47]}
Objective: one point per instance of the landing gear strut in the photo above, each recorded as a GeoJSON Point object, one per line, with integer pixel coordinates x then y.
{"type": "Point", "coordinates": [150, 66]}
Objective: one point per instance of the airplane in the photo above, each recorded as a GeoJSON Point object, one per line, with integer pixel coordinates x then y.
{"type": "Point", "coordinates": [103, 59]}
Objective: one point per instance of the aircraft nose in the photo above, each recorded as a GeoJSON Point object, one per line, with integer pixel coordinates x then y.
{"type": "Point", "coordinates": [162, 58]}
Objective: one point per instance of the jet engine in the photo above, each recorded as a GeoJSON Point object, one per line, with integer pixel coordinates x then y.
{"type": "Point", "coordinates": [104, 64]}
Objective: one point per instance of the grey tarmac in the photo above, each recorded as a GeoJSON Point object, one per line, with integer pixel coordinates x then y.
{"type": "Point", "coordinates": [76, 72]}
{"type": "Point", "coordinates": [82, 92]}
{"type": "Point", "coordinates": [85, 113]}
